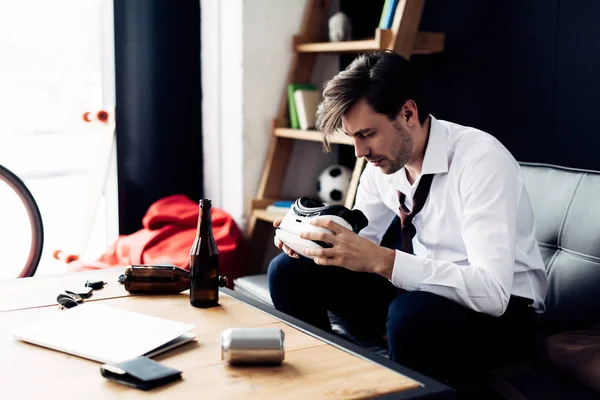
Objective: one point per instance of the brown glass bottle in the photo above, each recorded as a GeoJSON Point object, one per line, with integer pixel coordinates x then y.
{"type": "Point", "coordinates": [156, 278]}
{"type": "Point", "coordinates": [204, 261]}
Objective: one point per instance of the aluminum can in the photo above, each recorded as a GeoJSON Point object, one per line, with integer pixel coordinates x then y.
{"type": "Point", "coordinates": [252, 346]}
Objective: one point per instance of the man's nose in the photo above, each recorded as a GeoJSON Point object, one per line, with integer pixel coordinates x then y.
{"type": "Point", "coordinates": [360, 150]}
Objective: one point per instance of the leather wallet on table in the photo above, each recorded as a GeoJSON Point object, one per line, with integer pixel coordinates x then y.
{"type": "Point", "coordinates": [141, 373]}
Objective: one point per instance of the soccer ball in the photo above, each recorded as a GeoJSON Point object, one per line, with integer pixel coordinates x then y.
{"type": "Point", "coordinates": [333, 183]}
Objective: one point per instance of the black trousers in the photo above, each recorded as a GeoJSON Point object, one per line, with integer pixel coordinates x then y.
{"type": "Point", "coordinates": [425, 332]}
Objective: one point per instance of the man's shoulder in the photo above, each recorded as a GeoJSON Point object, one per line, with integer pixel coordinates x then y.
{"type": "Point", "coordinates": [468, 144]}
{"type": "Point", "coordinates": [464, 134]}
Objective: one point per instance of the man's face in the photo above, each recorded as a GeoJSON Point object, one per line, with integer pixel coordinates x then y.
{"type": "Point", "coordinates": [384, 143]}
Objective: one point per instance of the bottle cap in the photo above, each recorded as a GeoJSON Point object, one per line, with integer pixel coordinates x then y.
{"type": "Point", "coordinates": [223, 281]}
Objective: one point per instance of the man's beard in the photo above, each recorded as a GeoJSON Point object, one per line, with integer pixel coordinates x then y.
{"type": "Point", "coordinates": [401, 150]}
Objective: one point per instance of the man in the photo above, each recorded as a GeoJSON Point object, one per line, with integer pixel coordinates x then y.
{"type": "Point", "coordinates": [467, 285]}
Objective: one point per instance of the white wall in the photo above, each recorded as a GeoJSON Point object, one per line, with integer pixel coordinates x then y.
{"type": "Point", "coordinates": [246, 56]}
{"type": "Point", "coordinates": [222, 102]}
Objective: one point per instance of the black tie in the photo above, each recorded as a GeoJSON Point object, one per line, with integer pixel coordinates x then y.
{"type": "Point", "coordinates": [406, 217]}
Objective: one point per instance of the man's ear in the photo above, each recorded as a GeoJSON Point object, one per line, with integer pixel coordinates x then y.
{"type": "Point", "coordinates": [409, 110]}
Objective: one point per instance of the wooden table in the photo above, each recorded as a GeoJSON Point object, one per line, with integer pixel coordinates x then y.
{"type": "Point", "coordinates": [18, 294]}
{"type": "Point", "coordinates": [317, 364]}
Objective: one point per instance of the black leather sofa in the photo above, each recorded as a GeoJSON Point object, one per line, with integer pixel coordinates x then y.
{"type": "Point", "coordinates": [566, 203]}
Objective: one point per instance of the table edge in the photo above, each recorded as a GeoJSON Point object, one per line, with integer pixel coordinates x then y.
{"type": "Point", "coordinates": [429, 387]}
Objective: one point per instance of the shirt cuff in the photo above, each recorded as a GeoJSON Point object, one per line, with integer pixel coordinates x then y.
{"type": "Point", "coordinates": [408, 271]}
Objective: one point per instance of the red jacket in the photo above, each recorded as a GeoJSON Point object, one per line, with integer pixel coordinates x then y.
{"type": "Point", "coordinates": [169, 229]}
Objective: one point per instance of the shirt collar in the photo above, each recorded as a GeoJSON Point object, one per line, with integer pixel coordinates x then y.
{"type": "Point", "coordinates": [436, 154]}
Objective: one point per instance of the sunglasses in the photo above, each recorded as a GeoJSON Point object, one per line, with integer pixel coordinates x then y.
{"type": "Point", "coordinates": [68, 300]}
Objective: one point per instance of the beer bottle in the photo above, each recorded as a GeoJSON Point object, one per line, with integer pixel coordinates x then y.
{"type": "Point", "coordinates": [204, 261]}
{"type": "Point", "coordinates": [156, 279]}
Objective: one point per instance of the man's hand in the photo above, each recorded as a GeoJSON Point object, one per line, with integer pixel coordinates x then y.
{"type": "Point", "coordinates": [349, 250]}
{"type": "Point", "coordinates": [279, 244]}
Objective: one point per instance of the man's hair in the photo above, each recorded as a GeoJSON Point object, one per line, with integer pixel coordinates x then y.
{"type": "Point", "coordinates": [384, 78]}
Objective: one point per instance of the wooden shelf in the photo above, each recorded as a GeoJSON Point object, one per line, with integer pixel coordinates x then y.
{"type": "Point", "coordinates": [429, 43]}
{"type": "Point", "coordinates": [425, 43]}
{"type": "Point", "coordinates": [338, 47]}
{"type": "Point", "coordinates": [263, 215]}
{"type": "Point", "coordinates": [312, 135]}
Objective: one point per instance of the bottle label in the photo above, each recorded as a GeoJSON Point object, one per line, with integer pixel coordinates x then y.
{"type": "Point", "coordinates": [204, 279]}
{"type": "Point", "coordinates": [205, 294]}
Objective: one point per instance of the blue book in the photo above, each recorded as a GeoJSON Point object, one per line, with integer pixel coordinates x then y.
{"type": "Point", "coordinates": [388, 14]}
{"type": "Point", "coordinates": [283, 203]}
{"type": "Point", "coordinates": [383, 14]}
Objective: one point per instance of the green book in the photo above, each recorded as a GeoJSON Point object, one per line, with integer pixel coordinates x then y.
{"type": "Point", "coordinates": [292, 87]}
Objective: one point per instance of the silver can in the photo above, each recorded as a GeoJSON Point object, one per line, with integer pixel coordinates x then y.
{"type": "Point", "coordinates": [252, 346]}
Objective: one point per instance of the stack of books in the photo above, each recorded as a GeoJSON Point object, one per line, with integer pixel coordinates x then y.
{"type": "Point", "coordinates": [303, 100]}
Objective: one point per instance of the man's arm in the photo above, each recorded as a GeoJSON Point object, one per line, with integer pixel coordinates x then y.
{"type": "Point", "coordinates": [490, 189]}
{"type": "Point", "coordinates": [368, 200]}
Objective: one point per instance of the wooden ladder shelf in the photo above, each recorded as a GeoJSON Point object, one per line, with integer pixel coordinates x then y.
{"type": "Point", "coordinates": [403, 38]}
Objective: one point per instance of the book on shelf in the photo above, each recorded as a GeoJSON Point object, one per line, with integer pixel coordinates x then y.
{"type": "Point", "coordinates": [292, 87]}
{"type": "Point", "coordinates": [284, 203]}
{"type": "Point", "coordinates": [307, 102]}
{"type": "Point", "coordinates": [279, 207]}
{"type": "Point", "coordinates": [277, 210]}
{"type": "Point", "coordinates": [387, 14]}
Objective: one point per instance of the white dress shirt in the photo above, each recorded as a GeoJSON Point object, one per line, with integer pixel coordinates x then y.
{"type": "Point", "coordinates": [475, 241]}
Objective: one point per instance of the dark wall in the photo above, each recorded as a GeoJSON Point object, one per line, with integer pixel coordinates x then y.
{"type": "Point", "coordinates": [157, 67]}
{"type": "Point", "coordinates": [525, 71]}
{"type": "Point", "coordinates": [499, 71]}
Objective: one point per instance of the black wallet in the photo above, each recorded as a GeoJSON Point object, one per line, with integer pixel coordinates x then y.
{"type": "Point", "coordinates": [141, 373]}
